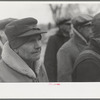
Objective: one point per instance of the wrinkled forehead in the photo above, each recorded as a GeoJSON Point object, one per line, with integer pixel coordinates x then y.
{"type": "Point", "coordinates": [35, 37]}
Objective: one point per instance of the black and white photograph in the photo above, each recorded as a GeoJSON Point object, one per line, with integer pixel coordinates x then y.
{"type": "Point", "coordinates": [50, 49]}
{"type": "Point", "coordinates": [49, 42]}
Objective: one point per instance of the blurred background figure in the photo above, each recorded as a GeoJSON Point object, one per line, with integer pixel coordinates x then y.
{"type": "Point", "coordinates": [87, 65]}
{"type": "Point", "coordinates": [3, 37]}
{"type": "Point", "coordinates": [70, 50]}
{"type": "Point", "coordinates": [54, 43]}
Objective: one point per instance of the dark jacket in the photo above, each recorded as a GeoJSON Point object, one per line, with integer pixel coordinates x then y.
{"type": "Point", "coordinates": [87, 65]}
{"type": "Point", "coordinates": [50, 59]}
{"type": "Point", "coordinates": [14, 69]}
{"type": "Point", "coordinates": [67, 55]}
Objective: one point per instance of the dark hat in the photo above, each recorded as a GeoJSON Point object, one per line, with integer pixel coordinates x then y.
{"type": "Point", "coordinates": [20, 30]}
{"type": "Point", "coordinates": [82, 20]}
{"type": "Point", "coordinates": [4, 22]}
{"type": "Point", "coordinates": [64, 20]}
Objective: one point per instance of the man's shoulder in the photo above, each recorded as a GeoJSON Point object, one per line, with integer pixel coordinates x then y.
{"type": "Point", "coordinates": [69, 45]}
{"type": "Point", "coordinates": [87, 55]}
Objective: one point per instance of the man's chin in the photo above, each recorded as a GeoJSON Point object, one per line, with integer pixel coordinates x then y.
{"type": "Point", "coordinates": [36, 58]}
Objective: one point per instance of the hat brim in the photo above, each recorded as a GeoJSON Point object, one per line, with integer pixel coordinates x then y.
{"type": "Point", "coordinates": [69, 22]}
{"type": "Point", "coordinates": [32, 32]}
{"type": "Point", "coordinates": [89, 23]}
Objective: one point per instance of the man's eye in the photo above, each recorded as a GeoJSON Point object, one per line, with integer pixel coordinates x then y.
{"type": "Point", "coordinates": [40, 37]}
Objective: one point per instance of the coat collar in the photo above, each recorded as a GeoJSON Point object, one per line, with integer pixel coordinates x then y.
{"type": "Point", "coordinates": [17, 63]}
{"type": "Point", "coordinates": [79, 35]}
{"type": "Point", "coordinates": [79, 40]}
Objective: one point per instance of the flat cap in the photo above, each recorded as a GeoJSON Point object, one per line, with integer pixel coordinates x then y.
{"type": "Point", "coordinates": [4, 22]}
{"type": "Point", "coordinates": [82, 20]}
{"type": "Point", "coordinates": [64, 20]}
{"type": "Point", "coordinates": [19, 31]}
{"type": "Point", "coordinates": [22, 28]}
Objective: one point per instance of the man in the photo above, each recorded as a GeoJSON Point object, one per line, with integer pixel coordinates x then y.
{"type": "Point", "coordinates": [87, 65]}
{"type": "Point", "coordinates": [70, 50]}
{"type": "Point", "coordinates": [3, 37]}
{"type": "Point", "coordinates": [54, 43]}
{"type": "Point", "coordinates": [21, 54]}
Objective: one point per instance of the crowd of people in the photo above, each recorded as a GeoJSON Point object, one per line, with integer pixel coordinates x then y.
{"type": "Point", "coordinates": [72, 54]}
{"type": "Point", "coordinates": [75, 57]}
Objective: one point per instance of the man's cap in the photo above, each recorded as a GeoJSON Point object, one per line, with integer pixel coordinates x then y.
{"type": "Point", "coordinates": [82, 20]}
{"type": "Point", "coordinates": [96, 25]}
{"type": "Point", "coordinates": [4, 22]}
{"type": "Point", "coordinates": [64, 20]}
{"type": "Point", "coordinates": [20, 30]}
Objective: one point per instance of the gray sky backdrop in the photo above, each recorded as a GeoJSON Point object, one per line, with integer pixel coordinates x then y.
{"type": "Point", "coordinates": [41, 11]}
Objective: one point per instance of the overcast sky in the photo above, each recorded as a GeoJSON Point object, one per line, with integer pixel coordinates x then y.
{"type": "Point", "coordinates": [26, 9]}
{"type": "Point", "coordinates": [23, 9]}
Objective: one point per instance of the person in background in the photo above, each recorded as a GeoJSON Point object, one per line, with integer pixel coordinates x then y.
{"type": "Point", "coordinates": [87, 65]}
{"type": "Point", "coordinates": [54, 43]}
{"type": "Point", "coordinates": [20, 56]}
{"type": "Point", "coordinates": [68, 53]}
{"type": "Point", "coordinates": [3, 37]}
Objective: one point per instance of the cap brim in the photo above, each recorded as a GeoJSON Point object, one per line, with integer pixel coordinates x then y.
{"type": "Point", "coordinates": [89, 23]}
{"type": "Point", "coordinates": [32, 32]}
{"type": "Point", "coordinates": [69, 22]}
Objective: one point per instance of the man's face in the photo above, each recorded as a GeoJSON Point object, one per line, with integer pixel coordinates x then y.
{"type": "Point", "coordinates": [87, 31]}
{"type": "Point", "coordinates": [32, 49]}
{"type": "Point", "coordinates": [66, 28]}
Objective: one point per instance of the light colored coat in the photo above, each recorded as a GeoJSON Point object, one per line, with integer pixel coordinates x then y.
{"type": "Point", "coordinates": [14, 69]}
{"type": "Point", "coordinates": [67, 55]}
{"type": "Point", "coordinates": [50, 58]}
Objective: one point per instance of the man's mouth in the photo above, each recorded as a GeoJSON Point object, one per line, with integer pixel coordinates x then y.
{"type": "Point", "coordinates": [36, 52]}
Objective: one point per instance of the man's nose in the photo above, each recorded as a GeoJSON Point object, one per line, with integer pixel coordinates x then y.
{"type": "Point", "coordinates": [37, 45]}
